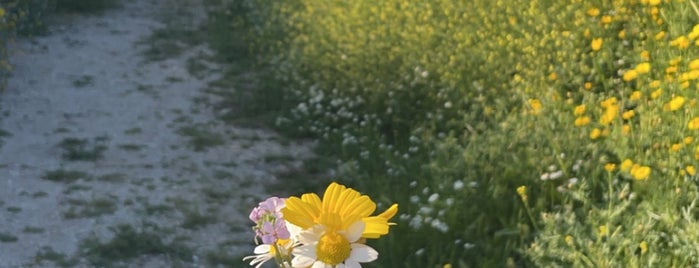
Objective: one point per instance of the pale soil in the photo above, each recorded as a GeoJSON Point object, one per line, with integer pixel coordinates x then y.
{"type": "Point", "coordinates": [87, 80]}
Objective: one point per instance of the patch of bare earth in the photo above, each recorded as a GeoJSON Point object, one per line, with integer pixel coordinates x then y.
{"type": "Point", "coordinates": [109, 158]}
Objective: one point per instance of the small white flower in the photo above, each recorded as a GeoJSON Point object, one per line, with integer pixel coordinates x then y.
{"type": "Point", "coordinates": [433, 198]}
{"type": "Point", "coordinates": [266, 252]}
{"type": "Point", "coordinates": [556, 175]}
{"type": "Point", "coordinates": [458, 185]}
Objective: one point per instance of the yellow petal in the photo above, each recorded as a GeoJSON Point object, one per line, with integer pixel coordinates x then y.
{"type": "Point", "coordinates": [390, 212]}
{"type": "Point", "coordinates": [300, 213]}
{"type": "Point", "coordinates": [375, 227]}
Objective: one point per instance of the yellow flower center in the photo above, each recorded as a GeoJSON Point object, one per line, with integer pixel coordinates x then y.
{"type": "Point", "coordinates": [333, 248]}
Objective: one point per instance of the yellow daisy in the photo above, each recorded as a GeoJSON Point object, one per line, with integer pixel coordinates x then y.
{"type": "Point", "coordinates": [340, 208]}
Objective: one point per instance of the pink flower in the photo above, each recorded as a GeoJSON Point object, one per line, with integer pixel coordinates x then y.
{"type": "Point", "coordinates": [269, 223]}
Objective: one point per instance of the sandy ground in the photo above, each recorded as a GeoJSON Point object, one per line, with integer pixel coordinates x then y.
{"type": "Point", "coordinates": [96, 136]}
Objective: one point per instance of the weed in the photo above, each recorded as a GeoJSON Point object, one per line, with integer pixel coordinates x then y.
{"type": "Point", "coordinates": [59, 259]}
{"type": "Point", "coordinates": [133, 130]}
{"type": "Point", "coordinates": [129, 243]}
{"type": "Point", "coordinates": [85, 6]}
{"type": "Point", "coordinates": [96, 207]}
{"type": "Point", "coordinates": [40, 194]}
{"type": "Point", "coordinates": [14, 209]}
{"type": "Point", "coordinates": [33, 230]}
{"type": "Point", "coordinates": [83, 81]}
{"type": "Point", "coordinates": [112, 177]}
{"type": "Point", "coordinates": [199, 138]}
{"type": "Point", "coordinates": [65, 176]}
{"type": "Point", "coordinates": [82, 149]}
{"type": "Point", "coordinates": [7, 238]}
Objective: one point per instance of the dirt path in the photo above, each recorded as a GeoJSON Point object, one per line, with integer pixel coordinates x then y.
{"type": "Point", "coordinates": [109, 158]}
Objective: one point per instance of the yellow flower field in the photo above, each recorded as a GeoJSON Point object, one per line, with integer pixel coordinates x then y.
{"type": "Point", "coordinates": [518, 133]}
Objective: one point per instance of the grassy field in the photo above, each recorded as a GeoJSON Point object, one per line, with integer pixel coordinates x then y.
{"type": "Point", "coordinates": [513, 134]}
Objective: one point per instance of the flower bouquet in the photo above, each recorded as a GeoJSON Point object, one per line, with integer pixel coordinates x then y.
{"type": "Point", "coordinates": [309, 232]}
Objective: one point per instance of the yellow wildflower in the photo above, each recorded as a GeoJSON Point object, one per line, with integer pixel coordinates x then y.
{"type": "Point", "coordinates": [622, 34]}
{"type": "Point", "coordinates": [602, 231]}
{"type": "Point", "coordinates": [693, 123]}
{"type": "Point", "coordinates": [626, 165]}
{"type": "Point", "coordinates": [606, 19]}
{"type": "Point", "coordinates": [655, 94]}
{"type": "Point", "coordinates": [626, 129]}
{"type": "Point", "coordinates": [609, 167]}
{"type": "Point", "coordinates": [535, 105]}
{"type": "Point", "coordinates": [654, 83]}
{"type": "Point", "coordinates": [588, 85]}
{"type": "Point", "coordinates": [628, 114]}
{"type": "Point", "coordinates": [642, 68]}
{"type": "Point", "coordinates": [569, 240]}
{"type": "Point", "coordinates": [690, 170]}
{"type": "Point", "coordinates": [654, 2]}
{"type": "Point", "coordinates": [660, 35]}
{"type": "Point", "coordinates": [553, 76]}
{"type": "Point", "coordinates": [612, 101]}
{"type": "Point", "coordinates": [640, 172]}
{"type": "Point", "coordinates": [636, 95]}
{"type": "Point", "coordinates": [581, 121]}
{"type": "Point", "coordinates": [610, 113]}
{"type": "Point", "coordinates": [674, 104]}
{"type": "Point", "coordinates": [595, 133]}
{"type": "Point", "coordinates": [675, 147]}
{"type": "Point", "coordinates": [688, 140]}
{"type": "Point", "coordinates": [645, 55]}
{"type": "Point", "coordinates": [596, 44]}
{"type": "Point", "coordinates": [681, 42]}
{"type": "Point", "coordinates": [671, 69]}
{"type": "Point", "coordinates": [522, 192]}
{"type": "Point", "coordinates": [684, 85]}
{"type": "Point", "coordinates": [593, 12]}
{"type": "Point", "coordinates": [579, 110]}
{"type": "Point", "coordinates": [630, 75]}
{"type": "Point", "coordinates": [694, 64]}
{"type": "Point", "coordinates": [644, 247]}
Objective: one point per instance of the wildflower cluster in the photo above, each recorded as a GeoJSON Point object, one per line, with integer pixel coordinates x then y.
{"type": "Point", "coordinates": [573, 113]}
{"type": "Point", "coordinates": [307, 231]}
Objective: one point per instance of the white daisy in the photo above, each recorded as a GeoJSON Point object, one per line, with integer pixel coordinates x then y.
{"type": "Point", "coordinates": [327, 248]}
{"type": "Point", "coordinates": [266, 252]}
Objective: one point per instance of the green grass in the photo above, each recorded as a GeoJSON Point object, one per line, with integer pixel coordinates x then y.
{"type": "Point", "coordinates": [199, 138]}
{"type": "Point", "coordinates": [48, 254]}
{"type": "Point", "coordinates": [8, 238]}
{"type": "Point", "coordinates": [97, 206]}
{"type": "Point", "coordinates": [75, 149]}
{"type": "Point", "coordinates": [83, 81]}
{"type": "Point", "coordinates": [129, 242]}
{"type": "Point", "coordinates": [33, 230]}
{"type": "Point", "coordinates": [65, 176]}
{"type": "Point", "coordinates": [85, 6]}
{"type": "Point", "coordinates": [13, 210]}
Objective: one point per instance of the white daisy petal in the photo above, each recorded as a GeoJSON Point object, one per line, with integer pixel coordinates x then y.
{"type": "Point", "coordinates": [305, 250]}
{"type": "Point", "coordinates": [352, 264]}
{"type": "Point", "coordinates": [302, 261]}
{"type": "Point", "coordinates": [354, 232]}
{"type": "Point", "coordinates": [362, 253]}
{"type": "Point", "coordinates": [320, 264]}
{"type": "Point", "coordinates": [261, 249]}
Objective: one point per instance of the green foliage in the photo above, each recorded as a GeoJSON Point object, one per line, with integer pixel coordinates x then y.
{"type": "Point", "coordinates": [448, 107]}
